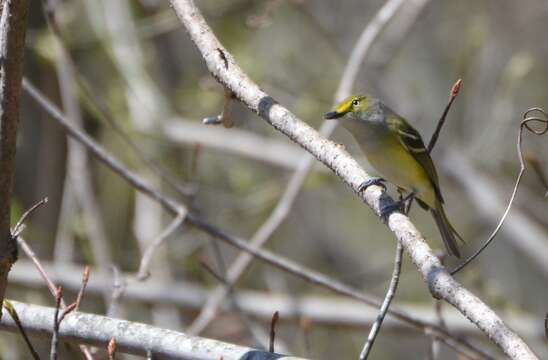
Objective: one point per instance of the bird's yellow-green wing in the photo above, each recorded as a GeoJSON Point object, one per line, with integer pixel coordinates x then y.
{"type": "Point", "coordinates": [412, 141]}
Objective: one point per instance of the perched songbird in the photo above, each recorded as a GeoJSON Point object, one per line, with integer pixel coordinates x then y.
{"type": "Point", "coordinates": [396, 150]}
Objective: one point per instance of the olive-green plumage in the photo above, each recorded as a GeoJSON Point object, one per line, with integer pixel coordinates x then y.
{"type": "Point", "coordinates": [396, 150]}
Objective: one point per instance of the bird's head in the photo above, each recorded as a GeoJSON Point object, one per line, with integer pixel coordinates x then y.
{"type": "Point", "coordinates": [352, 105]}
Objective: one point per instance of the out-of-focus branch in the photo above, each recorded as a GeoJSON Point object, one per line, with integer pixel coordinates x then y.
{"type": "Point", "coordinates": [13, 26]}
{"type": "Point", "coordinates": [441, 284]}
{"type": "Point", "coordinates": [239, 142]}
{"type": "Point", "coordinates": [305, 163]}
{"type": "Point", "coordinates": [323, 310]}
{"type": "Point", "coordinates": [78, 179]}
{"type": "Point", "coordinates": [149, 251]}
{"type": "Point", "coordinates": [131, 337]}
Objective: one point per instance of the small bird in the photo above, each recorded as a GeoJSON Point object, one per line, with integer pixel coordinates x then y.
{"type": "Point", "coordinates": [396, 150]}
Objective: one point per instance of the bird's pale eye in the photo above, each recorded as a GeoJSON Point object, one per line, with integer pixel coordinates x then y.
{"type": "Point", "coordinates": [355, 102]}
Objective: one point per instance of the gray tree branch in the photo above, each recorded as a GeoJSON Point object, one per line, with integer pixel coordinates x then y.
{"type": "Point", "coordinates": [131, 337]}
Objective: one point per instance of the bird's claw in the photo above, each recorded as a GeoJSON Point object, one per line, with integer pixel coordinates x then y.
{"type": "Point", "coordinates": [375, 180]}
{"type": "Point", "coordinates": [386, 210]}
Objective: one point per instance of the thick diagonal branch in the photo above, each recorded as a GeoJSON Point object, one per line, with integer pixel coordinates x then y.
{"type": "Point", "coordinates": [440, 283]}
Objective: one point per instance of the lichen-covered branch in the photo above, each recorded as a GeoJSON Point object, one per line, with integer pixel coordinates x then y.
{"type": "Point", "coordinates": [224, 68]}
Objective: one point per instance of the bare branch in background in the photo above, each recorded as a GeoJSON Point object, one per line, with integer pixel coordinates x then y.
{"type": "Point", "coordinates": [13, 26]}
{"type": "Point", "coordinates": [234, 141]}
{"type": "Point", "coordinates": [149, 252]}
{"type": "Point", "coordinates": [305, 164]}
{"type": "Point", "coordinates": [524, 125]}
{"type": "Point", "coordinates": [95, 103]}
{"type": "Point", "coordinates": [78, 188]}
{"type": "Point", "coordinates": [320, 310]}
{"type": "Point", "coordinates": [385, 304]}
{"type": "Point", "coordinates": [132, 338]}
{"type": "Point", "coordinates": [440, 283]}
{"type": "Point", "coordinates": [119, 285]}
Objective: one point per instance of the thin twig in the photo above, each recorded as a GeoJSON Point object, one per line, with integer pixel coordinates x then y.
{"type": "Point", "coordinates": [119, 287]}
{"type": "Point", "coordinates": [452, 96]}
{"type": "Point", "coordinates": [273, 322]}
{"type": "Point", "coordinates": [50, 284]}
{"type": "Point", "coordinates": [19, 226]}
{"type": "Point", "coordinates": [541, 121]}
{"type": "Point", "coordinates": [385, 304]}
{"type": "Point", "coordinates": [85, 279]}
{"type": "Point", "coordinates": [55, 333]}
{"type": "Point", "coordinates": [149, 252]}
{"type": "Point", "coordinates": [13, 313]}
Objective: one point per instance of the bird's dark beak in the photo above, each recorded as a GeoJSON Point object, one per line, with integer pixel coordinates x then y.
{"type": "Point", "coordinates": [333, 115]}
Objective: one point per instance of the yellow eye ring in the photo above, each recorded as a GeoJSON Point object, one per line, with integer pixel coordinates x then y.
{"type": "Point", "coordinates": [355, 102]}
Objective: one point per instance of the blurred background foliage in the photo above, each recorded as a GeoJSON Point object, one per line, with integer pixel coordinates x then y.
{"type": "Point", "coordinates": [143, 70]}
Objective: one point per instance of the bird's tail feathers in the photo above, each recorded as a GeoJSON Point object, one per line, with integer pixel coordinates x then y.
{"type": "Point", "coordinates": [448, 232]}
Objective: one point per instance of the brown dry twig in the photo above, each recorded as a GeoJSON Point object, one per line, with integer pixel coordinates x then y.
{"type": "Point", "coordinates": [273, 322]}
{"type": "Point", "coordinates": [452, 96]}
{"type": "Point", "coordinates": [85, 279]}
{"type": "Point", "coordinates": [111, 348]}
{"type": "Point", "coordinates": [525, 124]}
{"type": "Point", "coordinates": [51, 286]}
